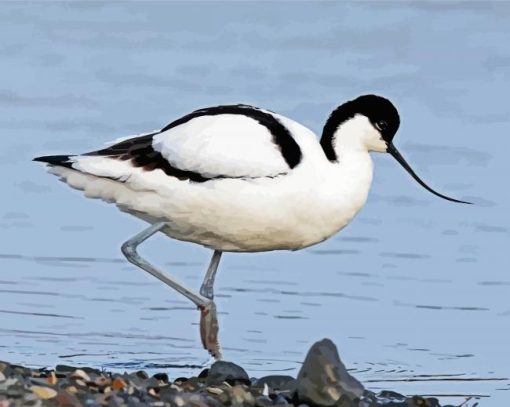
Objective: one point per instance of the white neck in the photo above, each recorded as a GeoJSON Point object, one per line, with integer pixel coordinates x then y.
{"type": "Point", "coordinates": [346, 182]}
{"type": "Point", "coordinates": [351, 135]}
{"type": "Point", "coordinates": [357, 134]}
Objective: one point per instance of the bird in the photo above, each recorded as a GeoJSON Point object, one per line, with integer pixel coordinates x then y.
{"type": "Point", "coordinates": [238, 178]}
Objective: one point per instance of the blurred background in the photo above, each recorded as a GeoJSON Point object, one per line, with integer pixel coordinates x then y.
{"type": "Point", "coordinates": [415, 291]}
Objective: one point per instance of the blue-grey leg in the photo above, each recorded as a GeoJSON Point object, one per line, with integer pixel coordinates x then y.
{"type": "Point", "coordinates": [208, 320]}
{"type": "Point", "coordinates": [207, 289]}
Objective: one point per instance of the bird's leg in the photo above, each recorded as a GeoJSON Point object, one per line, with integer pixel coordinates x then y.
{"type": "Point", "coordinates": [129, 250]}
{"type": "Point", "coordinates": [208, 320]}
{"type": "Point", "coordinates": [207, 285]}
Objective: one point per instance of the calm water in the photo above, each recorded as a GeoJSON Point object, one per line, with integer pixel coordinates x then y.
{"type": "Point", "coordinates": [415, 292]}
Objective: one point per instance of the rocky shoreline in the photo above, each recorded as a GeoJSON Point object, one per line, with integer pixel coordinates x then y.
{"type": "Point", "coordinates": [322, 381]}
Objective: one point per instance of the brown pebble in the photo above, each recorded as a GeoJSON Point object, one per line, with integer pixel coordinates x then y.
{"type": "Point", "coordinates": [241, 396]}
{"type": "Point", "coordinates": [52, 378]}
{"type": "Point", "coordinates": [66, 399]}
{"type": "Point", "coordinates": [80, 383]}
{"type": "Point", "coordinates": [119, 384]}
{"type": "Point", "coordinates": [214, 390]}
{"type": "Point", "coordinates": [103, 381]}
{"type": "Point", "coordinates": [152, 391]}
{"type": "Point", "coordinates": [179, 401]}
{"type": "Point", "coordinates": [78, 373]}
{"type": "Point", "coordinates": [71, 389]}
{"type": "Point", "coordinates": [44, 393]}
{"type": "Point", "coordinates": [175, 387]}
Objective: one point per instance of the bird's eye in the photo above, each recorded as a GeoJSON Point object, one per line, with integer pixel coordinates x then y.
{"type": "Point", "coordinates": [381, 125]}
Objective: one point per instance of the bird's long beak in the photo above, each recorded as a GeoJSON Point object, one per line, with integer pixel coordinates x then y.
{"type": "Point", "coordinates": [394, 152]}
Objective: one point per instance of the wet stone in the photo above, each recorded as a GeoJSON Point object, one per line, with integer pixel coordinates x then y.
{"type": "Point", "coordinates": [141, 375]}
{"type": "Point", "coordinates": [278, 382]}
{"type": "Point", "coordinates": [417, 401]}
{"type": "Point", "coordinates": [20, 370]}
{"type": "Point", "coordinates": [168, 393]}
{"type": "Point", "coordinates": [203, 374]}
{"type": "Point", "coordinates": [65, 368]}
{"type": "Point", "coordinates": [241, 397]}
{"type": "Point", "coordinates": [386, 396]}
{"type": "Point", "coordinates": [263, 401]}
{"type": "Point", "coordinates": [227, 372]}
{"type": "Point", "coordinates": [192, 384]}
{"type": "Point", "coordinates": [214, 390]}
{"type": "Point", "coordinates": [44, 393]}
{"type": "Point", "coordinates": [119, 384]}
{"type": "Point", "coordinates": [280, 400]}
{"type": "Point", "coordinates": [64, 398]}
{"type": "Point", "coordinates": [162, 377]}
{"type": "Point", "coordinates": [5, 368]}
{"type": "Point", "coordinates": [323, 378]}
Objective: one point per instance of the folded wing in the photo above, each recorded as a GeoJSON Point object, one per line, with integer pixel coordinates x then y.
{"type": "Point", "coordinates": [235, 141]}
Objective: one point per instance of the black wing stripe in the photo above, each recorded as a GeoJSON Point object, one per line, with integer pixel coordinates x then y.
{"type": "Point", "coordinates": [281, 135]}
{"type": "Point", "coordinates": [140, 153]}
{"type": "Point", "coordinates": [60, 160]}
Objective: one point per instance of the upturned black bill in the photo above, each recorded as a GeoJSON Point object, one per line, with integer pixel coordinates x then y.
{"type": "Point", "coordinates": [394, 152]}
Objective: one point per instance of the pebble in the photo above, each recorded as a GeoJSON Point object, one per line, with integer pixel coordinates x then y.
{"type": "Point", "coordinates": [278, 382]}
{"type": "Point", "coordinates": [52, 378]}
{"type": "Point", "coordinates": [79, 373]}
{"type": "Point", "coordinates": [231, 373]}
{"type": "Point", "coordinates": [118, 384]}
{"type": "Point", "coordinates": [44, 393]}
{"type": "Point", "coordinates": [323, 378]}
{"type": "Point", "coordinates": [214, 390]}
{"type": "Point", "coordinates": [263, 401]}
{"type": "Point", "coordinates": [280, 400]}
{"type": "Point", "coordinates": [162, 377]}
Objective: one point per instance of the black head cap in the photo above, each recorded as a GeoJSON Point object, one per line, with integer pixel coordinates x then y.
{"type": "Point", "coordinates": [380, 111]}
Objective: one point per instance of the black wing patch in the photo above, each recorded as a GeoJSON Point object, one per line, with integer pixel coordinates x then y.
{"type": "Point", "coordinates": [60, 160]}
{"type": "Point", "coordinates": [140, 153]}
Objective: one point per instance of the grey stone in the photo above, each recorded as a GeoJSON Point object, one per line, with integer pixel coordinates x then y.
{"type": "Point", "coordinates": [323, 379]}
{"type": "Point", "coordinates": [141, 374]}
{"type": "Point", "coordinates": [115, 401]}
{"type": "Point", "coordinates": [168, 393]}
{"type": "Point", "coordinates": [278, 382]}
{"type": "Point", "coordinates": [280, 401]}
{"type": "Point", "coordinates": [227, 372]}
{"type": "Point", "coordinates": [390, 395]}
{"type": "Point", "coordinates": [263, 401]}
{"type": "Point", "coordinates": [162, 377]}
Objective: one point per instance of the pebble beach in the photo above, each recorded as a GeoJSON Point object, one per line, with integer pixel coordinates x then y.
{"type": "Point", "coordinates": [322, 381]}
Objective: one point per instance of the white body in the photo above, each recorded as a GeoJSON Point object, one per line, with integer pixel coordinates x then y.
{"type": "Point", "coordinates": [272, 208]}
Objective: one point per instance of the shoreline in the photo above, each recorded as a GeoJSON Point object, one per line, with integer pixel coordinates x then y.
{"type": "Point", "coordinates": [322, 381]}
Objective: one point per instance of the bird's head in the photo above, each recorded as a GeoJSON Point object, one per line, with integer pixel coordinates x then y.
{"type": "Point", "coordinates": [369, 122]}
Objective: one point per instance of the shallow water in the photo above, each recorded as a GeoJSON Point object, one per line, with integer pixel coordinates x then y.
{"type": "Point", "coordinates": [414, 292]}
